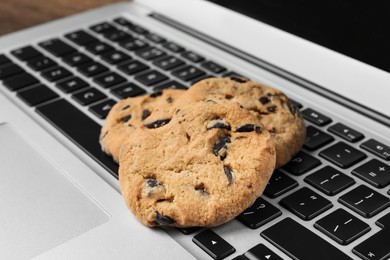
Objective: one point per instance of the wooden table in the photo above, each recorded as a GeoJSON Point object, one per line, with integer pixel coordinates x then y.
{"type": "Point", "coordinates": [20, 14]}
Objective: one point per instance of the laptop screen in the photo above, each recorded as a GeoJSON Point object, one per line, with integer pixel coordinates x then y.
{"type": "Point", "coordinates": [358, 29]}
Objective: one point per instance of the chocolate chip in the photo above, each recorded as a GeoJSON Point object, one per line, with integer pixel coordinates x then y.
{"type": "Point", "coordinates": [227, 96]}
{"type": "Point", "coordinates": [249, 128]}
{"type": "Point", "coordinates": [271, 109]}
{"type": "Point", "coordinates": [228, 173]}
{"type": "Point", "coordinates": [156, 94]}
{"type": "Point", "coordinates": [264, 100]}
{"type": "Point", "coordinates": [218, 123]}
{"type": "Point", "coordinates": [125, 118]}
{"type": "Point", "coordinates": [162, 220]}
{"type": "Point", "coordinates": [169, 100]}
{"type": "Point", "coordinates": [145, 114]}
{"type": "Point", "coordinates": [220, 147]}
{"type": "Point", "coordinates": [201, 189]}
{"type": "Point", "coordinates": [151, 183]}
{"type": "Point", "coordinates": [158, 123]}
{"type": "Point", "coordinates": [293, 108]}
{"type": "Point", "coordinates": [125, 107]}
{"type": "Point", "coordinates": [238, 79]}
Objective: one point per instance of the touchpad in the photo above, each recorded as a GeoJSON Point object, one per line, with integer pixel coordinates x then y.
{"type": "Point", "coordinates": [39, 207]}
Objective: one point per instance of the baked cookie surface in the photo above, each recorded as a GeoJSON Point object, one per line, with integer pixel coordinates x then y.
{"type": "Point", "coordinates": [201, 167]}
{"type": "Point", "coordinates": [282, 119]}
{"type": "Point", "coordinates": [128, 114]}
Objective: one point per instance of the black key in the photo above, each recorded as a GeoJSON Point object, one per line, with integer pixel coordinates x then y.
{"type": "Point", "coordinates": [4, 60]}
{"type": "Point", "coordinates": [71, 84]}
{"type": "Point", "coordinates": [155, 38]}
{"type": "Point", "coordinates": [316, 138]}
{"type": "Point", "coordinates": [193, 81]}
{"type": "Point", "coordinates": [137, 29]}
{"type": "Point", "coordinates": [168, 62]}
{"type": "Point", "coordinates": [56, 73]}
{"type": "Point", "coordinates": [150, 53]}
{"type": "Point", "coordinates": [365, 201]}
{"type": "Point", "coordinates": [188, 73]}
{"type": "Point", "coordinates": [128, 90]}
{"type": "Point", "coordinates": [279, 184]}
{"type": "Point", "coordinates": [213, 244]}
{"type": "Point", "coordinates": [342, 155]}
{"type": "Point", "coordinates": [123, 22]}
{"type": "Point", "coordinates": [79, 128]}
{"type": "Point", "coordinates": [57, 47]}
{"type": "Point", "coordinates": [374, 172]}
{"type": "Point", "coordinates": [192, 56]}
{"type": "Point", "coordinates": [296, 103]}
{"type": "Point", "coordinates": [133, 67]}
{"type": "Point", "coordinates": [315, 117]}
{"type": "Point", "coordinates": [300, 243]}
{"type": "Point", "coordinates": [260, 213]}
{"type": "Point", "coordinates": [118, 36]}
{"type": "Point", "coordinates": [301, 163]}
{"type": "Point", "coordinates": [234, 75]}
{"type": "Point", "coordinates": [20, 81]}
{"type": "Point", "coordinates": [134, 44]}
{"type": "Point", "coordinates": [81, 37]}
{"type": "Point", "coordinates": [101, 109]}
{"type": "Point", "coordinates": [76, 59]}
{"type": "Point", "coordinates": [346, 132]}
{"type": "Point", "coordinates": [92, 68]}
{"type": "Point", "coordinates": [173, 47]}
{"type": "Point", "coordinates": [102, 28]}
{"type": "Point", "coordinates": [189, 230]}
{"type": "Point", "coordinates": [343, 227]}
{"type": "Point", "coordinates": [115, 57]}
{"type": "Point", "coordinates": [10, 70]}
{"type": "Point", "coordinates": [377, 148]}
{"type": "Point", "coordinates": [375, 247]}
{"type": "Point", "coordinates": [26, 53]}
{"type": "Point", "coordinates": [99, 48]}
{"type": "Point", "coordinates": [88, 96]}
{"type": "Point", "coordinates": [329, 180]}
{"type": "Point", "coordinates": [213, 67]}
{"type": "Point", "coordinates": [41, 63]}
{"type": "Point", "coordinates": [109, 80]}
{"type": "Point", "coordinates": [261, 252]}
{"type": "Point", "coordinates": [151, 78]}
{"type": "Point", "coordinates": [170, 84]}
{"type": "Point", "coordinates": [384, 222]}
{"type": "Point", "coordinates": [306, 203]}
{"type": "Point", "coordinates": [36, 95]}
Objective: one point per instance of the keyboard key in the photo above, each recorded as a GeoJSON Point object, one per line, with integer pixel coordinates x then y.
{"type": "Point", "coordinates": [150, 53]}
{"type": "Point", "coordinates": [79, 128]}
{"type": "Point", "coordinates": [76, 59]}
{"type": "Point", "coordinates": [384, 222]}
{"type": "Point", "coordinates": [20, 81]}
{"type": "Point", "coordinates": [170, 84]}
{"type": "Point", "coordinates": [116, 57]}
{"type": "Point", "coordinates": [343, 227]}
{"type": "Point", "coordinates": [88, 96]}
{"type": "Point", "coordinates": [155, 38]}
{"type": "Point", "coordinates": [92, 68]}
{"type": "Point", "coordinates": [192, 56]}
{"type": "Point", "coordinates": [316, 138]}
{"type": "Point", "coordinates": [4, 60]}
{"type": "Point", "coordinates": [109, 80]}
{"type": "Point", "coordinates": [10, 70]}
{"type": "Point", "coordinates": [133, 67]}
{"type": "Point", "coordinates": [301, 163]}
{"type": "Point", "coordinates": [168, 62]}
{"type": "Point", "coordinates": [102, 28]}
{"type": "Point", "coordinates": [377, 148]}
{"type": "Point", "coordinates": [342, 155]}
{"type": "Point", "coordinates": [329, 180]}
{"type": "Point", "coordinates": [41, 63]}
{"type": "Point", "coordinates": [346, 132]}
{"type": "Point", "coordinates": [260, 213]}
{"type": "Point", "coordinates": [81, 37]}
{"type": "Point", "coordinates": [305, 203]}
{"type": "Point", "coordinates": [99, 48]}
{"type": "Point", "coordinates": [188, 73]}
{"type": "Point", "coordinates": [213, 67]}
{"type": "Point", "coordinates": [26, 53]}
{"type": "Point", "coordinates": [304, 245]}
{"type": "Point", "coordinates": [365, 201]}
{"type": "Point", "coordinates": [189, 230]}
{"type": "Point", "coordinates": [57, 47]}
{"type": "Point", "coordinates": [72, 84]}
{"type": "Point", "coordinates": [118, 36]}
{"type": "Point", "coordinates": [374, 172]}
{"type": "Point", "coordinates": [261, 252]}
{"type": "Point", "coordinates": [102, 109]}
{"type": "Point", "coordinates": [151, 78]}
{"type": "Point", "coordinates": [128, 90]}
{"type": "Point", "coordinates": [56, 73]}
{"type": "Point", "coordinates": [279, 184]}
{"type": "Point", "coordinates": [173, 47]}
{"type": "Point", "coordinates": [315, 117]}
{"type": "Point", "coordinates": [134, 44]}
{"type": "Point", "coordinates": [137, 29]}
{"type": "Point", "coordinates": [375, 247]}
{"type": "Point", "coordinates": [213, 244]}
{"type": "Point", "coordinates": [36, 95]}
{"type": "Point", "coordinates": [123, 22]}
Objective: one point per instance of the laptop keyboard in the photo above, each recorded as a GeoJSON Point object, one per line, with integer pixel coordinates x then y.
{"type": "Point", "coordinates": [93, 68]}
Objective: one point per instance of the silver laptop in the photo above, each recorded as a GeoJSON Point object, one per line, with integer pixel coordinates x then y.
{"type": "Point", "coordinates": [59, 194]}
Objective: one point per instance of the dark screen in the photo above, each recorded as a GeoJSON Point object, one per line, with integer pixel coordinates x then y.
{"type": "Point", "coordinates": [359, 29]}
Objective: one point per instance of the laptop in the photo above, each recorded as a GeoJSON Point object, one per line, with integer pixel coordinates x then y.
{"type": "Point", "coordinates": [59, 194]}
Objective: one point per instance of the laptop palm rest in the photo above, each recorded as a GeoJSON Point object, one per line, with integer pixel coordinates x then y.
{"type": "Point", "coordinates": [39, 207]}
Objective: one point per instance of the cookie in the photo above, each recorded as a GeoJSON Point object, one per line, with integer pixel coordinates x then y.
{"type": "Point", "coordinates": [128, 114]}
{"type": "Point", "coordinates": [202, 166]}
{"type": "Point", "coordinates": [282, 119]}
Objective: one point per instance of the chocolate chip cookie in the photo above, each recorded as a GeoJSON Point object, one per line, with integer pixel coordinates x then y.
{"type": "Point", "coordinates": [128, 114]}
{"type": "Point", "coordinates": [201, 166]}
{"type": "Point", "coordinates": [282, 119]}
